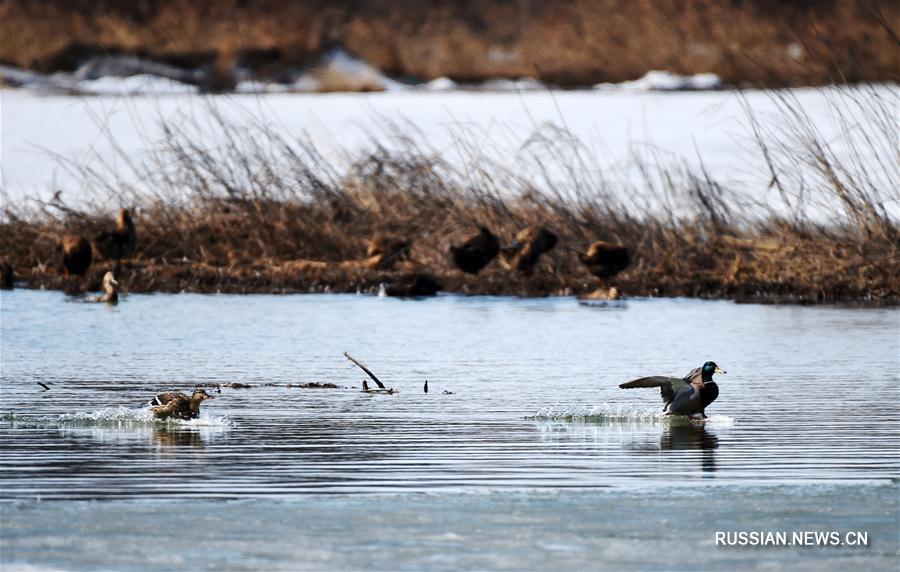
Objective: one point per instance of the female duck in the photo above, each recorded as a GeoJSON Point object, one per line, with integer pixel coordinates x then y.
{"type": "Point", "coordinates": [173, 404]}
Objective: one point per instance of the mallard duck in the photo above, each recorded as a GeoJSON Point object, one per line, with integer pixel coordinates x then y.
{"type": "Point", "coordinates": [110, 289]}
{"type": "Point", "coordinates": [385, 251]}
{"type": "Point", "coordinates": [476, 252]}
{"type": "Point", "coordinates": [525, 251]}
{"type": "Point", "coordinates": [411, 285]}
{"type": "Point", "coordinates": [119, 243]}
{"type": "Point", "coordinates": [689, 395]}
{"type": "Point", "coordinates": [178, 405]}
{"type": "Point", "coordinates": [76, 255]}
{"type": "Point", "coordinates": [605, 259]}
{"type": "Point", "coordinates": [7, 275]}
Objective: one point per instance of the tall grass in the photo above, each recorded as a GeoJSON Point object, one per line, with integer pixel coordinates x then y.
{"type": "Point", "coordinates": [225, 207]}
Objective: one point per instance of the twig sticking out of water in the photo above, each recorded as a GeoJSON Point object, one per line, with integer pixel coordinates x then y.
{"type": "Point", "coordinates": [362, 367]}
{"type": "Point", "coordinates": [44, 385]}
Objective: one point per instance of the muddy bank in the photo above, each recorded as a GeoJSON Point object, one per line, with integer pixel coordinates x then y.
{"type": "Point", "coordinates": [566, 43]}
{"type": "Point", "coordinates": [756, 270]}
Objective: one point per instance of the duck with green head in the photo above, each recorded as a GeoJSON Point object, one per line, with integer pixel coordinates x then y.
{"type": "Point", "coordinates": [688, 395]}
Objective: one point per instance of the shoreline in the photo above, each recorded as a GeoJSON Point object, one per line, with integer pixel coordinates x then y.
{"type": "Point", "coordinates": [200, 278]}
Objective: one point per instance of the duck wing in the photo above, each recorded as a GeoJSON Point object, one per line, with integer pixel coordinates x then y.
{"type": "Point", "coordinates": [166, 397]}
{"type": "Point", "coordinates": [669, 387]}
{"type": "Point", "coordinates": [694, 375]}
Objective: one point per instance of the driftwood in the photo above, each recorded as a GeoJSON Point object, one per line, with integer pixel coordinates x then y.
{"type": "Point", "coordinates": [365, 369]}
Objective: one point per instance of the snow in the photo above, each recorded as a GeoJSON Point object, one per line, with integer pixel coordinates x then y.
{"type": "Point", "coordinates": [339, 71]}
{"type": "Point", "coordinates": [134, 85]}
{"type": "Point", "coordinates": [666, 81]}
{"type": "Point", "coordinates": [613, 125]}
{"type": "Point", "coordinates": [521, 84]}
{"type": "Point", "coordinates": [442, 83]}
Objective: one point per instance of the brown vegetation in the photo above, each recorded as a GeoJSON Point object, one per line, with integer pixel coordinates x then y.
{"type": "Point", "coordinates": [566, 42]}
{"type": "Point", "coordinates": [253, 212]}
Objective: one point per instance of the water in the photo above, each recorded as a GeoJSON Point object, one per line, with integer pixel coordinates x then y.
{"type": "Point", "coordinates": [536, 460]}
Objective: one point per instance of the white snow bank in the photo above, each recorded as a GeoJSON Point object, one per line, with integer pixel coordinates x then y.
{"type": "Point", "coordinates": [133, 85]}
{"type": "Point", "coordinates": [521, 84]}
{"type": "Point", "coordinates": [442, 83]}
{"type": "Point", "coordinates": [339, 71]}
{"type": "Point", "coordinates": [665, 81]}
{"type": "Point", "coordinates": [126, 66]}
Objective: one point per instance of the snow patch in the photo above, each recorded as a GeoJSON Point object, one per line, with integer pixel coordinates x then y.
{"type": "Point", "coordinates": [442, 83]}
{"type": "Point", "coordinates": [666, 81]}
{"type": "Point", "coordinates": [133, 85]}
{"type": "Point", "coordinates": [339, 71]}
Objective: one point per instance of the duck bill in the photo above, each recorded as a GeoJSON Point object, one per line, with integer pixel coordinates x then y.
{"type": "Point", "coordinates": [720, 370]}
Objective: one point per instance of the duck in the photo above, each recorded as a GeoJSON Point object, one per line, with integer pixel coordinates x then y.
{"type": "Point", "coordinates": [174, 404]}
{"type": "Point", "coordinates": [119, 243]}
{"type": "Point", "coordinates": [476, 252]}
{"type": "Point", "coordinates": [385, 251]}
{"type": "Point", "coordinates": [527, 248]}
{"type": "Point", "coordinates": [604, 260]}
{"type": "Point", "coordinates": [689, 395]}
{"type": "Point", "coordinates": [411, 285]}
{"type": "Point", "coordinates": [110, 289]}
{"type": "Point", "coordinates": [77, 255]}
{"type": "Point", "coordinates": [7, 275]}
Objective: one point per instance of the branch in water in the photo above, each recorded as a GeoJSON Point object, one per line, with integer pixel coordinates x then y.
{"type": "Point", "coordinates": [362, 367]}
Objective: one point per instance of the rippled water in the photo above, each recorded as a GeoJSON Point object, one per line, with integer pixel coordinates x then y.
{"type": "Point", "coordinates": [534, 421]}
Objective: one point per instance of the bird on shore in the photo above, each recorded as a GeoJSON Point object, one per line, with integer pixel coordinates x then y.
{"type": "Point", "coordinates": [110, 289]}
{"type": "Point", "coordinates": [385, 251]}
{"type": "Point", "coordinates": [178, 405]}
{"type": "Point", "coordinates": [410, 285]}
{"type": "Point", "coordinates": [7, 275]}
{"type": "Point", "coordinates": [119, 243]}
{"type": "Point", "coordinates": [76, 255]}
{"type": "Point", "coordinates": [604, 260]}
{"type": "Point", "coordinates": [527, 248]}
{"type": "Point", "coordinates": [689, 395]}
{"type": "Point", "coordinates": [476, 252]}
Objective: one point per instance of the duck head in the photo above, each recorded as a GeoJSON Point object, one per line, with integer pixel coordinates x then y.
{"type": "Point", "coordinates": [200, 395]}
{"type": "Point", "coordinates": [197, 398]}
{"type": "Point", "coordinates": [123, 221]}
{"type": "Point", "coordinates": [709, 368]}
{"type": "Point", "coordinates": [109, 282]}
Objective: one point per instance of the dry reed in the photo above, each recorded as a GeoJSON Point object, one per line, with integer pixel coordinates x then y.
{"type": "Point", "coordinates": [240, 210]}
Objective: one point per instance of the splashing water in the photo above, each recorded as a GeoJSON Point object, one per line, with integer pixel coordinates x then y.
{"type": "Point", "coordinates": [608, 413]}
{"type": "Point", "coordinates": [113, 417]}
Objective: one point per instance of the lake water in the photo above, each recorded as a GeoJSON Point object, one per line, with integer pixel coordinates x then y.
{"type": "Point", "coordinates": [536, 460]}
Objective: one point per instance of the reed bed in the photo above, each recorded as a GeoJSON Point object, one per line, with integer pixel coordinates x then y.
{"type": "Point", "coordinates": [221, 208]}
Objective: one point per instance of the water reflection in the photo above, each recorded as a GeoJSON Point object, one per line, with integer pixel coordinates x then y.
{"type": "Point", "coordinates": [166, 438]}
{"type": "Point", "coordinates": [677, 437]}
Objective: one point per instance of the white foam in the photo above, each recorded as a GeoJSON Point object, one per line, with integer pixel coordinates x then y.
{"type": "Point", "coordinates": [116, 416]}
{"type": "Point", "coordinates": [619, 413]}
